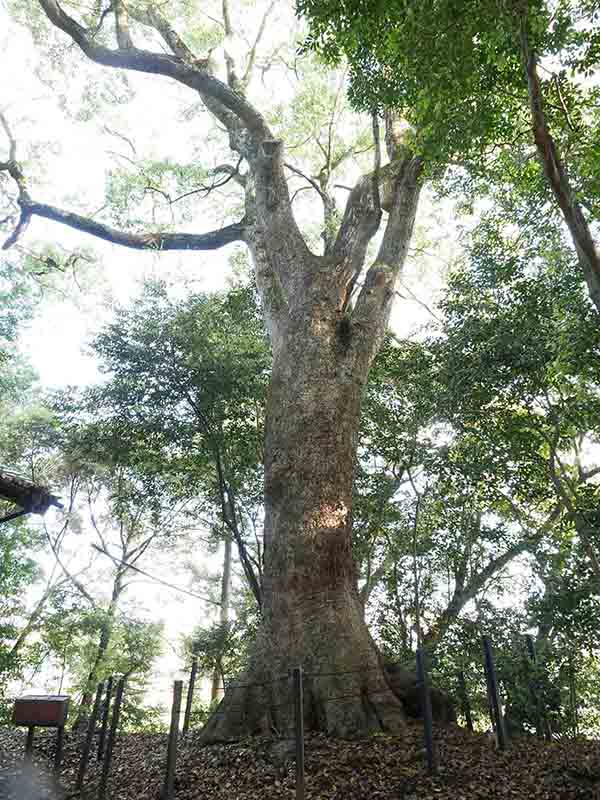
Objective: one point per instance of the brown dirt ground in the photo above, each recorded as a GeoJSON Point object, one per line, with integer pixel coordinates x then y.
{"type": "Point", "coordinates": [378, 768]}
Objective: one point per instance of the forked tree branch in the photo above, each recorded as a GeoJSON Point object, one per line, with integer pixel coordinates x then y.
{"type": "Point", "coordinates": [374, 302]}
{"type": "Point", "coordinates": [195, 76]}
{"type": "Point", "coordinates": [385, 188]}
{"type": "Point", "coordinates": [359, 224]}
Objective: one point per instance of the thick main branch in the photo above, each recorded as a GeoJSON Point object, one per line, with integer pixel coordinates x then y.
{"type": "Point", "coordinates": [211, 240]}
{"type": "Point", "coordinates": [374, 302]}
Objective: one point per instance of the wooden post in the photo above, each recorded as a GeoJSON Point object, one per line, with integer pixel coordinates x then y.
{"type": "Point", "coordinates": [426, 709]}
{"type": "Point", "coordinates": [105, 715]}
{"type": "Point", "coordinates": [534, 689]}
{"type": "Point", "coordinates": [60, 737]}
{"type": "Point", "coordinates": [490, 705]}
{"type": "Point", "coordinates": [85, 755]}
{"type": "Point", "coordinates": [190, 696]}
{"type": "Point", "coordinates": [112, 735]}
{"type": "Point", "coordinates": [573, 697]}
{"type": "Point", "coordinates": [29, 742]}
{"type": "Point", "coordinates": [169, 784]}
{"type": "Point", "coordinates": [464, 699]}
{"type": "Point", "coordinates": [299, 733]}
{"type": "Point", "coordinates": [492, 681]}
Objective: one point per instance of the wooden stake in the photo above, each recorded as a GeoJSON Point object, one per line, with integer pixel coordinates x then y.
{"type": "Point", "coordinates": [492, 681]}
{"type": "Point", "coordinates": [169, 784]}
{"type": "Point", "coordinates": [190, 696]}
{"type": "Point", "coordinates": [105, 715]}
{"type": "Point", "coordinates": [112, 735]}
{"type": "Point", "coordinates": [299, 733]}
{"type": "Point", "coordinates": [29, 742]}
{"type": "Point", "coordinates": [85, 755]}
{"type": "Point", "coordinates": [464, 698]}
{"type": "Point", "coordinates": [60, 737]}
{"type": "Point", "coordinates": [426, 708]}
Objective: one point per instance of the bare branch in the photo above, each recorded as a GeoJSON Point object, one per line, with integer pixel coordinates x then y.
{"type": "Point", "coordinates": [232, 79]}
{"type": "Point", "coordinates": [212, 240]}
{"type": "Point", "coordinates": [252, 55]}
{"type": "Point", "coordinates": [307, 178]}
{"type": "Point", "coordinates": [126, 565]}
{"type": "Point", "coordinates": [418, 300]}
{"type": "Point", "coordinates": [563, 105]}
{"type": "Point", "coordinates": [121, 136]}
{"type": "Point", "coordinates": [233, 172]}
{"type": "Point", "coordinates": [56, 544]}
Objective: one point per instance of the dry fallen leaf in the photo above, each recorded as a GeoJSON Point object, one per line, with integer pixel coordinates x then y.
{"type": "Point", "coordinates": [378, 768]}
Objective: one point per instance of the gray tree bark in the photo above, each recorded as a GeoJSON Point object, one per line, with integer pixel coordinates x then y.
{"type": "Point", "coordinates": [312, 611]}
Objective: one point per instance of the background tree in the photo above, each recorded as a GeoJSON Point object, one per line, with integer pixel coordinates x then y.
{"type": "Point", "coordinates": [185, 399]}
{"type": "Point", "coordinates": [477, 87]}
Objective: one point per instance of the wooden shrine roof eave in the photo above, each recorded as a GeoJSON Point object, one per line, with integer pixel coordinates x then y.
{"type": "Point", "coordinates": [29, 496]}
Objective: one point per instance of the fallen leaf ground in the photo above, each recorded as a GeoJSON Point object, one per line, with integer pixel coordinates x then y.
{"type": "Point", "coordinates": [379, 768]}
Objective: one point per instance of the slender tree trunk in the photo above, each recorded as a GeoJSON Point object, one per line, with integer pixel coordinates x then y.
{"type": "Point", "coordinates": [556, 173]}
{"type": "Point", "coordinates": [217, 680]}
{"type": "Point", "coordinates": [106, 630]}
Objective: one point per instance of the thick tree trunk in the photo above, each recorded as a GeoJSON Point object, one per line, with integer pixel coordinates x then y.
{"type": "Point", "coordinates": [313, 616]}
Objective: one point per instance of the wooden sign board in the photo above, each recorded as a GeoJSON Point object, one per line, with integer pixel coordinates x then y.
{"type": "Point", "coordinates": [50, 710]}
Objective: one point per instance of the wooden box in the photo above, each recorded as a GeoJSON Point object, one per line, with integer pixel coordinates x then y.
{"type": "Point", "coordinates": [48, 710]}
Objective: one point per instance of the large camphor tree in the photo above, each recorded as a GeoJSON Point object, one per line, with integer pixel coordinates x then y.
{"type": "Point", "coordinates": [325, 327]}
